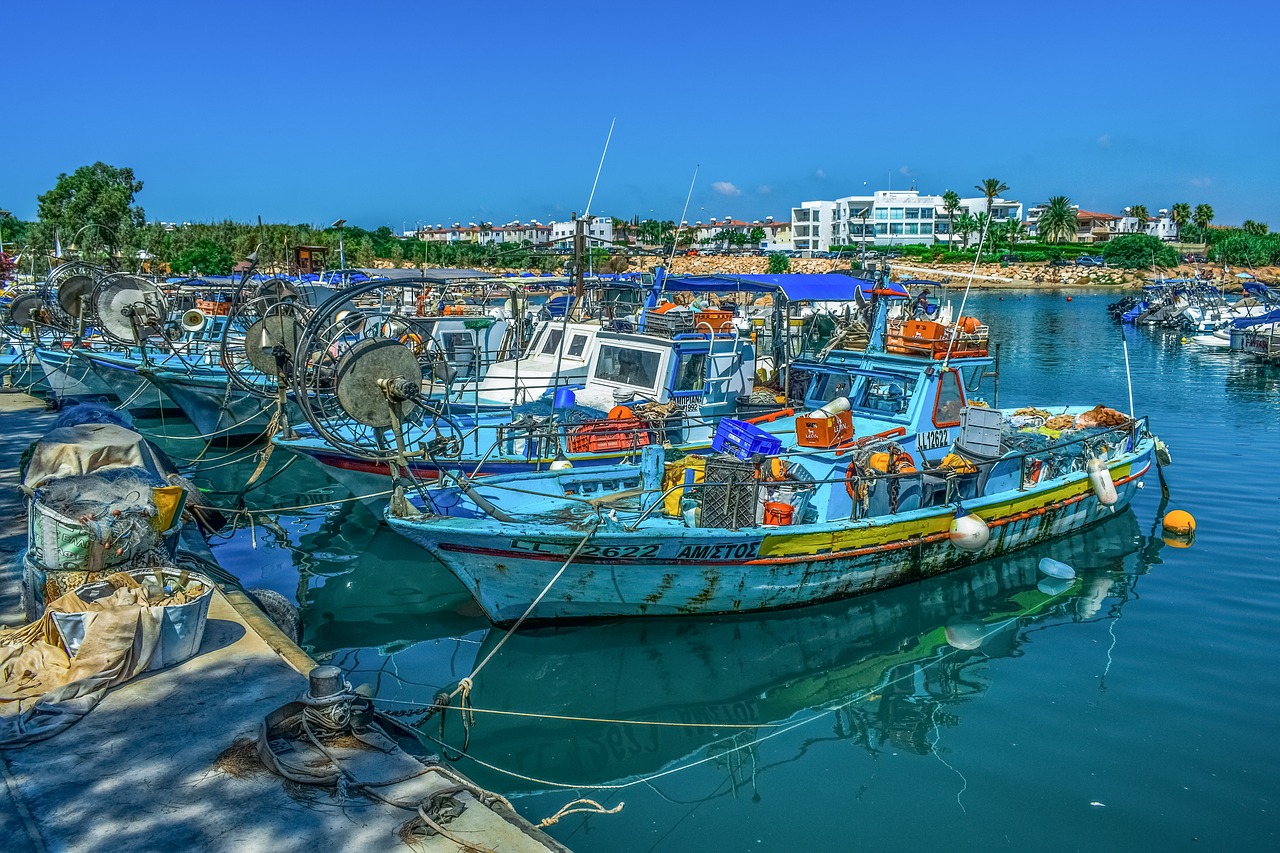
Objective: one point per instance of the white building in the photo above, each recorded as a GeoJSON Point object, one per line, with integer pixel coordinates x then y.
{"type": "Point", "coordinates": [599, 232]}
{"type": "Point", "coordinates": [887, 217]}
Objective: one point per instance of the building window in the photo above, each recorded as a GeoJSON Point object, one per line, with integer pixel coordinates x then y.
{"type": "Point", "coordinates": [895, 213]}
{"type": "Point", "coordinates": [881, 214]}
{"type": "Point", "coordinates": [926, 213]}
{"type": "Point", "coordinates": [895, 228]}
{"type": "Point", "coordinates": [880, 228]}
{"type": "Point", "coordinates": [913, 228]}
{"type": "Point", "coordinates": [913, 213]}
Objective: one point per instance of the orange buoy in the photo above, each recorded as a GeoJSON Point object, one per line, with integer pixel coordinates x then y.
{"type": "Point", "coordinates": [1068, 298]}
{"type": "Point", "coordinates": [619, 412]}
{"type": "Point", "coordinates": [1180, 522]}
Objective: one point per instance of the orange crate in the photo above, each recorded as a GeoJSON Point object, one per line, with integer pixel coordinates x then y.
{"type": "Point", "coordinates": [719, 321]}
{"type": "Point", "coordinates": [613, 434]}
{"type": "Point", "coordinates": [824, 432]}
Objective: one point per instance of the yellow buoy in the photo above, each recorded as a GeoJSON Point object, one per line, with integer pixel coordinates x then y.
{"type": "Point", "coordinates": [1179, 522]}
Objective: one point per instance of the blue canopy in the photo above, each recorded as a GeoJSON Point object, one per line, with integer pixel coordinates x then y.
{"type": "Point", "coordinates": [796, 287]}
{"type": "Point", "coordinates": [1260, 320]}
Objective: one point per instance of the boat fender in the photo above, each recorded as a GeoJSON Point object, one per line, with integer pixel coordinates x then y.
{"type": "Point", "coordinates": [1103, 486]}
{"type": "Point", "coordinates": [969, 532]}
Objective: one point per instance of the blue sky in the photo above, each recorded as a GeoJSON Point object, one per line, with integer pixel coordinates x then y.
{"type": "Point", "coordinates": [398, 113]}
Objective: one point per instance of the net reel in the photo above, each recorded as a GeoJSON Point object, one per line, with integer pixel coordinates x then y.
{"type": "Point", "coordinates": [259, 343]}
{"type": "Point", "coordinates": [368, 355]}
{"type": "Point", "coordinates": [128, 309]}
{"type": "Point", "coordinates": [66, 294]}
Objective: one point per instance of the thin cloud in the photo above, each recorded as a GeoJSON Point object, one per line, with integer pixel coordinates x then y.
{"type": "Point", "coordinates": [764, 189]}
{"type": "Point", "coordinates": [1104, 141]}
{"type": "Point", "coordinates": [904, 171]}
{"type": "Point", "coordinates": [1201, 182]}
{"type": "Point", "coordinates": [820, 173]}
{"type": "Point", "coordinates": [725, 188]}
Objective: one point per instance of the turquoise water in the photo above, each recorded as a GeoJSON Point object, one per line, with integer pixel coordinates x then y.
{"type": "Point", "coordinates": [1133, 710]}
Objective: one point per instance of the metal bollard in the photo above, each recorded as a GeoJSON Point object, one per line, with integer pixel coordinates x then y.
{"type": "Point", "coordinates": [325, 681]}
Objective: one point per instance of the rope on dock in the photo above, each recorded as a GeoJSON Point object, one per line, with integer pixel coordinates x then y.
{"type": "Point", "coordinates": [592, 807]}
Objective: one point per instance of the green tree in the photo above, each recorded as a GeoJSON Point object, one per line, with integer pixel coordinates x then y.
{"type": "Point", "coordinates": [1255, 228]}
{"type": "Point", "coordinates": [1139, 251]}
{"type": "Point", "coordinates": [1202, 216]}
{"type": "Point", "coordinates": [206, 257]}
{"type": "Point", "coordinates": [1058, 221]}
{"type": "Point", "coordinates": [92, 206]}
{"type": "Point", "coordinates": [1014, 232]}
{"type": "Point", "coordinates": [991, 188]}
{"type": "Point", "coordinates": [965, 225]}
{"type": "Point", "coordinates": [756, 236]}
{"type": "Point", "coordinates": [1139, 212]}
{"type": "Point", "coordinates": [951, 206]}
{"type": "Point", "coordinates": [779, 263]}
{"type": "Point", "coordinates": [1180, 213]}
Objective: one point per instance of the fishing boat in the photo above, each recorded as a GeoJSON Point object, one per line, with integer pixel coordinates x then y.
{"type": "Point", "coordinates": [786, 528]}
{"type": "Point", "coordinates": [668, 382]}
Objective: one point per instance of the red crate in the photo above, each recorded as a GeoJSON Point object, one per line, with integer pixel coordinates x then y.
{"type": "Point", "coordinates": [824, 432]}
{"type": "Point", "coordinates": [613, 434]}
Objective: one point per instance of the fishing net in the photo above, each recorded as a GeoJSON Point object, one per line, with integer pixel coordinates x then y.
{"type": "Point", "coordinates": [92, 413]}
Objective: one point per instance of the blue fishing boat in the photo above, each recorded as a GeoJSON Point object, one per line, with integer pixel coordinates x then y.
{"type": "Point", "coordinates": [952, 484]}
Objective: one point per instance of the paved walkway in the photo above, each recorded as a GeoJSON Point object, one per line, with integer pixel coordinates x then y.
{"type": "Point", "coordinates": [23, 419]}
{"type": "Point", "coordinates": [138, 772]}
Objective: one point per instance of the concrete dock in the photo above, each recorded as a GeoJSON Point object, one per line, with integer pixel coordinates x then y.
{"type": "Point", "coordinates": [140, 772]}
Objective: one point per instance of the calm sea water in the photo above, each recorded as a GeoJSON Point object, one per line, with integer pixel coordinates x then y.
{"type": "Point", "coordinates": [1134, 710]}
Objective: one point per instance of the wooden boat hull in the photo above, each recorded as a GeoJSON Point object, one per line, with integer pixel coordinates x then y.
{"type": "Point", "coordinates": [688, 571]}
{"type": "Point", "coordinates": [218, 409]}
{"type": "Point", "coordinates": [69, 377]}
{"type": "Point", "coordinates": [136, 393]}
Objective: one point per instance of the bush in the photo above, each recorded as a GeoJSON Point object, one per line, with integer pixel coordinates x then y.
{"type": "Point", "coordinates": [207, 257]}
{"type": "Point", "coordinates": [1248, 249]}
{"type": "Point", "coordinates": [779, 263]}
{"type": "Point", "coordinates": [1139, 251]}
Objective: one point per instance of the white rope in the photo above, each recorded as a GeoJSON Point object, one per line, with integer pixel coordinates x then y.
{"type": "Point", "coordinates": [778, 732]}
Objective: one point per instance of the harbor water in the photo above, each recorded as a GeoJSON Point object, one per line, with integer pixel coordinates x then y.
{"type": "Point", "coordinates": [991, 708]}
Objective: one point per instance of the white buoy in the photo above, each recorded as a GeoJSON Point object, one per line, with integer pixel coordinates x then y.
{"type": "Point", "coordinates": [1054, 586]}
{"type": "Point", "coordinates": [1103, 486]}
{"type": "Point", "coordinates": [1057, 569]}
{"type": "Point", "coordinates": [830, 410]}
{"type": "Point", "coordinates": [969, 533]}
{"type": "Point", "coordinates": [965, 632]}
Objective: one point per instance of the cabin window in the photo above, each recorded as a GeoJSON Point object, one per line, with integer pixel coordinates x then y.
{"type": "Point", "coordinates": [946, 409]}
{"type": "Point", "coordinates": [552, 341]}
{"type": "Point", "coordinates": [628, 366]}
{"type": "Point", "coordinates": [577, 344]}
{"type": "Point", "coordinates": [691, 374]}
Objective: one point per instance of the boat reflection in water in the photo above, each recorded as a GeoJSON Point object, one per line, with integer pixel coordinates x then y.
{"type": "Point", "coordinates": [882, 670]}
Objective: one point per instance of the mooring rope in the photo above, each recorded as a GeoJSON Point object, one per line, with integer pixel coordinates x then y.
{"type": "Point", "coordinates": [779, 731]}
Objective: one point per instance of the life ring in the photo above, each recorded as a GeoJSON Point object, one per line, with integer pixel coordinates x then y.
{"type": "Point", "coordinates": [413, 342]}
{"type": "Point", "coordinates": [893, 462]}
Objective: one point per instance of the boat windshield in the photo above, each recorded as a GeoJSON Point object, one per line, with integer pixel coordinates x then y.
{"type": "Point", "coordinates": [879, 393]}
{"type": "Point", "coordinates": [628, 366]}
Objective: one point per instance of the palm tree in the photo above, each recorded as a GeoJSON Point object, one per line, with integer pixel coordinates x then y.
{"type": "Point", "coordinates": [951, 206]}
{"type": "Point", "coordinates": [1202, 217]}
{"type": "Point", "coordinates": [1058, 221]}
{"type": "Point", "coordinates": [1251, 227]}
{"type": "Point", "coordinates": [1014, 231]}
{"type": "Point", "coordinates": [965, 225]}
{"type": "Point", "coordinates": [1139, 212]}
{"type": "Point", "coordinates": [1181, 215]}
{"type": "Point", "coordinates": [991, 188]}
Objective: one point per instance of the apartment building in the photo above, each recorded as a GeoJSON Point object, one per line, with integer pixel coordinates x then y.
{"type": "Point", "coordinates": [886, 217]}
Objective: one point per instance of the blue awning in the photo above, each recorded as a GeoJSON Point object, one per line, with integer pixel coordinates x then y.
{"type": "Point", "coordinates": [796, 287]}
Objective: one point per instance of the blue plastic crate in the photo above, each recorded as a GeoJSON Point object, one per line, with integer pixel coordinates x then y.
{"type": "Point", "coordinates": [743, 440]}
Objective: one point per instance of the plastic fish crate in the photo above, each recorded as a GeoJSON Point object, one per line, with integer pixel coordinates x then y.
{"type": "Point", "coordinates": [613, 434]}
{"type": "Point", "coordinates": [743, 440]}
{"type": "Point", "coordinates": [980, 431]}
{"type": "Point", "coordinates": [714, 319]}
{"type": "Point", "coordinates": [729, 497]}
{"type": "Point", "coordinates": [668, 324]}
